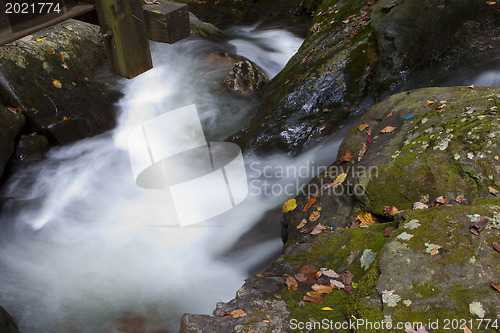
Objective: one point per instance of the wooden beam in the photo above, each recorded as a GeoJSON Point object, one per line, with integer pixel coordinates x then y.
{"type": "Point", "coordinates": [167, 21]}
{"type": "Point", "coordinates": [125, 36]}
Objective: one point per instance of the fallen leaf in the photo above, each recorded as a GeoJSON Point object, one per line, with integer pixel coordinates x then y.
{"type": "Point", "coordinates": [277, 296]}
{"type": "Point", "coordinates": [259, 275]}
{"type": "Point", "coordinates": [65, 118]}
{"type": "Point", "coordinates": [319, 229]}
{"type": "Point", "coordinates": [74, 84]}
{"type": "Point", "coordinates": [224, 313]}
{"type": "Point", "coordinates": [64, 65]}
{"type": "Point", "coordinates": [429, 102]}
{"type": "Point", "coordinates": [479, 225]}
{"type": "Point", "coordinates": [347, 157]}
{"type": "Point", "coordinates": [434, 251]}
{"type": "Point", "coordinates": [15, 110]}
{"type": "Point", "coordinates": [57, 84]}
{"type": "Point", "coordinates": [496, 246]}
{"type": "Point", "coordinates": [308, 205]}
{"type": "Point", "coordinates": [327, 308]}
{"type": "Point", "coordinates": [302, 224]}
{"type": "Point", "coordinates": [340, 179]}
{"type": "Point", "coordinates": [369, 132]}
{"type": "Point", "coordinates": [289, 205]}
{"type": "Point", "coordinates": [460, 198]}
{"type": "Point", "coordinates": [346, 278]}
{"type": "Point", "coordinates": [337, 284]}
{"type": "Point", "coordinates": [362, 151]}
{"type": "Point", "coordinates": [491, 2]}
{"type": "Point", "coordinates": [238, 313]}
{"type": "Point", "coordinates": [329, 272]}
{"type": "Point", "coordinates": [389, 115]}
{"type": "Point", "coordinates": [387, 129]}
{"type": "Point", "coordinates": [314, 216]}
{"type": "Point", "coordinates": [467, 330]}
{"type": "Point", "coordinates": [390, 210]}
{"type": "Point", "coordinates": [440, 201]}
{"type": "Point", "coordinates": [85, 79]}
{"type": "Point", "coordinates": [301, 303]}
{"type": "Point", "coordinates": [315, 300]}
{"type": "Point", "coordinates": [362, 127]}
{"type": "Point", "coordinates": [420, 205]}
{"type": "Point", "coordinates": [365, 218]}
{"type": "Point", "coordinates": [388, 231]}
{"type": "Point", "coordinates": [492, 190]}
{"type": "Point", "coordinates": [471, 86]}
{"type": "Point", "coordinates": [321, 289]}
{"type": "Point", "coordinates": [497, 288]}
{"type": "Point", "coordinates": [497, 157]}
{"type": "Point", "coordinates": [306, 274]}
{"type": "Point", "coordinates": [291, 283]}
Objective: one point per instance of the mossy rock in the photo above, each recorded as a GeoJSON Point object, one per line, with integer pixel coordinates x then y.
{"type": "Point", "coordinates": [11, 124]}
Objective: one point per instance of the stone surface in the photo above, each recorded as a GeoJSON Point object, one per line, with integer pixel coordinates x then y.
{"type": "Point", "coordinates": [11, 124]}
{"type": "Point", "coordinates": [7, 324]}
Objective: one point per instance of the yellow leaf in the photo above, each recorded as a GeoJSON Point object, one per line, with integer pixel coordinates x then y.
{"type": "Point", "coordinates": [491, 2]}
{"type": "Point", "coordinates": [362, 127]}
{"type": "Point", "coordinates": [340, 179]}
{"type": "Point", "coordinates": [65, 118]}
{"type": "Point", "coordinates": [327, 308]}
{"type": "Point", "coordinates": [429, 102]}
{"type": "Point", "coordinates": [289, 205]}
{"type": "Point", "coordinates": [387, 129]}
{"type": "Point", "coordinates": [302, 224]}
{"type": "Point", "coordinates": [74, 84]}
{"type": "Point", "coordinates": [57, 84]}
{"type": "Point", "coordinates": [365, 219]}
{"type": "Point", "coordinates": [497, 157]}
{"type": "Point", "coordinates": [38, 39]}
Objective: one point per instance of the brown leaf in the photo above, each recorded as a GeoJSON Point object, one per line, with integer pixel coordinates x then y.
{"type": "Point", "coordinates": [224, 313]}
{"type": "Point", "coordinates": [362, 151]}
{"type": "Point", "coordinates": [493, 190]}
{"type": "Point", "coordinates": [471, 86]}
{"type": "Point", "coordinates": [388, 231]}
{"type": "Point", "coordinates": [319, 229]}
{"type": "Point", "coordinates": [496, 246]}
{"type": "Point", "coordinates": [497, 288]}
{"type": "Point", "coordinates": [64, 65]}
{"type": "Point", "coordinates": [291, 283]}
{"type": "Point", "coordinates": [387, 129]}
{"type": "Point", "coordinates": [314, 216]}
{"type": "Point", "coordinates": [346, 277]}
{"type": "Point", "coordinates": [347, 157]}
{"type": "Point", "coordinates": [362, 127]}
{"type": "Point", "coordinates": [238, 313]}
{"type": "Point", "coordinates": [429, 102]}
{"type": "Point", "coordinates": [390, 210]}
{"type": "Point", "coordinates": [365, 218]}
{"type": "Point", "coordinates": [309, 204]}
{"type": "Point", "coordinates": [389, 115]}
{"type": "Point", "coordinates": [15, 110]}
{"type": "Point", "coordinates": [434, 251]}
{"type": "Point", "coordinates": [460, 198]}
{"type": "Point", "coordinates": [440, 201]}
{"type": "Point", "coordinates": [315, 300]}
{"type": "Point", "coordinates": [479, 225]}
{"type": "Point", "coordinates": [467, 330]}
{"type": "Point", "coordinates": [306, 274]}
{"type": "Point", "coordinates": [321, 289]}
{"type": "Point", "coordinates": [302, 224]}
{"type": "Point", "coordinates": [420, 205]}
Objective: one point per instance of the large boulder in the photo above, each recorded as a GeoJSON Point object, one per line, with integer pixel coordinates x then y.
{"type": "Point", "coordinates": [7, 324]}
{"type": "Point", "coordinates": [11, 123]}
{"type": "Point", "coordinates": [359, 52]}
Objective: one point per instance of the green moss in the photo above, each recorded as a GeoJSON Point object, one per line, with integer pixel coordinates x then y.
{"type": "Point", "coordinates": [425, 290]}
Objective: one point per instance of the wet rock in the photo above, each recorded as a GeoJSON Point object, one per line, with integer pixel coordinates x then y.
{"type": "Point", "coordinates": [245, 77]}
{"type": "Point", "coordinates": [50, 77]}
{"type": "Point", "coordinates": [11, 123]}
{"type": "Point", "coordinates": [357, 53]}
{"type": "Point", "coordinates": [31, 146]}
{"type": "Point", "coordinates": [7, 324]}
{"type": "Point", "coordinates": [204, 29]}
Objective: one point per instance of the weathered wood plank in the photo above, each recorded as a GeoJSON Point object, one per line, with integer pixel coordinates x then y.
{"type": "Point", "coordinates": [125, 36]}
{"type": "Point", "coordinates": [167, 21]}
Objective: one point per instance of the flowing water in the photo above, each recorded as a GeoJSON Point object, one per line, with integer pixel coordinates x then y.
{"type": "Point", "coordinates": [81, 243]}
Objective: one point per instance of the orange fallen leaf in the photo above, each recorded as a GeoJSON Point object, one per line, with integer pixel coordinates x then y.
{"type": "Point", "coordinates": [492, 190]}
{"type": "Point", "coordinates": [362, 151]}
{"type": "Point", "coordinates": [289, 205]}
{"type": "Point", "coordinates": [467, 329]}
{"type": "Point", "coordinates": [238, 313]}
{"type": "Point", "coordinates": [259, 275]}
{"type": "Point", "coordinates": [387, 129]}
{"type": "Point", "coordinates": [460, 198]}
{"type": "Point", "coordinates": [347, 157]}
{"type": "Point", "coordinates": [362, 127]}
{"type": "Point", "coordinates": [291, 283]}
{"type": "Point", "coordinates": [309, 204]}
{"type": "Point", "coordinates": [471, 86]}
{"type": "Point", "coordinates": [390, 210]}
{"type": "Point", "coordinates": [429, 102]}
{"type": "Point", "coordinates": [224, 313]}
{"type": "Point", "coordinates": [497, 288]}
{"type": "Point", "coordinates": [314, 216]}
{"type": "Point", "coordinates": [389, 115]}
{"type": "Point", "coordinates": [491, 2]}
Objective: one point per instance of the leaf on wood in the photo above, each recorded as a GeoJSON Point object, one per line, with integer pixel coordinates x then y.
{"type": "Point", "coordinates": [362, 151]}
{"type": "Point", "coordinates": [387, 129]}
{"type": "Point", "coordinates": [321, 289]}
{"type": "Point", "coordinates": [460, 198]}
{"type": "Point", "coordinates": [440, 202]}
{"type": "Point", "coordinates": [319, 229]}
{"type": "Point", "coordinates": [289, 205]}
{"type": "Point", "coordinates": [291, 283]}
{"type": "Point", "coordinates": [479, 225]}
{"type": "Point", "coordinates": [496, 246]}
{"type": "Point", "coordinates": [390, 210]}
{"type": "Point", "coordinates": [315, 300]}
{"type": "Point", "coordinates": [491, 2]}
{"type": "Point", "coordinates": [314, 216]}
{"type": "Point", "coordinates": [306, 274]}
{"type": "Point", "coordinates": [238, 313]}
{"type": "Point", "coordinates": [420, 205]}
{"type": "Point", "coordinates": [309, 204]}
{"type": "Point", "coordinates": [362, 127]}
{"type": "Point", "coordinates": [497, 287]}
{"type": "Point", "coordinates": [388, 231]}
{"type": "Point", "coordinates": [365, 218]}
{"type": "Point", "coordinates": [347, 157]}
{"type": "Point", "coordinates": [492, 190]}
{"type": "Point", "coordinates": [259, 275]}
{"type": "Point", "coordinates": [302, 224]}
{"type": "Point", "coordinates": [57, 84]}
{"type": "Point", "coordinates": [429, 102]}
{"type": "Point", "coordinates": [329, 272]}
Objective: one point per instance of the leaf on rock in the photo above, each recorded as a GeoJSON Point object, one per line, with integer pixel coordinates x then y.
{"type": "Point", "coordinates": [306, 274]}
{"type": "Point", "coordinates": [64, 65]}
{"type": "Point", "coordinates": [329, 272]}
{"type": "Point", "coordinates": [429, 102]}
{"type": "Point", "coordinates": [337, 284]}
{"type": "Point", "coordinates": [289, 205]}
{"type": "Point", "coordinates": [492, 190]}
{"type": "Point", "coordinates": [496, 246]}
{"type": "Point", "coordinates": [321, 289]}
{"type": "Point", "coordinates": [238, 313]}
{"type": "Point", "coordinates": [387, 129]}
{"type": "Point", "coordinates": [362, 127]}
{"type": "Point", "coordinates": [440, 202]}
{"type": "Point", "coordinates": [497, 287]}
{"type": "Point", "coordinates": [347, 157]}
{"type": "Point", "coordinates": [291, 283]}
{"type": "Point", "coordinates": [309, 204]}
{"type": "Point", "coordinates": [479, 225]}
{"type": "Point", "coordinates": [319, 229]}
{"type": "Point", "coordinates": [362, 151]}
{"type": "Point", "coordinates": [224, 313]}
{"type": "Point", "coordinates": [340, 179]}
{"type": "Point", "coordinates": [57, 84]}
{"type": "Point", "coordinates": [302, 224]}
{"type": "Point", "coordinates": [390, 210]}
{"type": "Point", "coordinates": [314, 216]}
{"type": "Point", "coordinates": [434, 251]}
{"type": "Point", "coordinates": [365, 218]}
{"type": "Point", "coordinates": [312, 299]}
{"type": "Point", "coordinates": [389, 115]}
{"type": "Point", "coordinates": [460, 198]}
{"type": "Point", "coordinates": [420, 205]}
{"type": "Point", "coordinates": [467, 329]}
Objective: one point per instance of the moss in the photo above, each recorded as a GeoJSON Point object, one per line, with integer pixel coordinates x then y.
{"type": "Point", "coordinates": [425, 290]}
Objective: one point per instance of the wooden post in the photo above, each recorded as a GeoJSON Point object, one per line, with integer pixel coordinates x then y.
{"type": "Point", "coordinates": [167, 22]}
{"type": "Point", "coordinates": [125, 36]}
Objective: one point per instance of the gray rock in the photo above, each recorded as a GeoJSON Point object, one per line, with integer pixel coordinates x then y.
{"type": "Point", "coordinates": [11, 124]}
{"type": "Point", "coordinates": [7, 324]}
